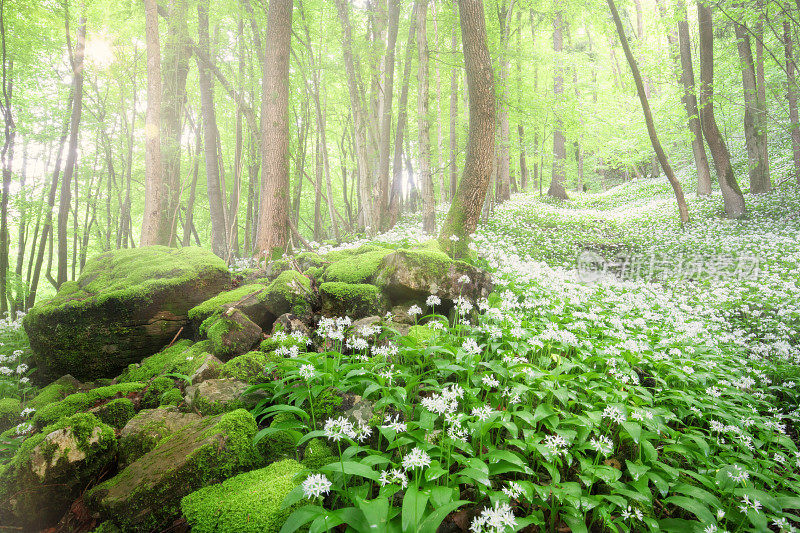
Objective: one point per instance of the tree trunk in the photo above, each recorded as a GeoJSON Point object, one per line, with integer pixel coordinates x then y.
{"type": "Point", "coordinates": [396, 196]}
{"type": "Point", "coordinates": [189, 220]}
{"type": "Point", "coordinates": [156, 223]}
{"type": "Point", "coordinates": [273, 229]}
{"type": "Point", "coordinates": [465, 210]}
{"type": "Point", "coordinates": [791, 90]}
{"type": "Point", "coordinates": [648, 117]}
{"type": "Point", "coordinates": [7, 160]}
{"type": "Point", "coordinates": [731, 194]}
{"type": "Point", "coordinates": [72, 153]}
{"type": "Point", "coordinates": [454, 75]}
{"type": "Point", "coordinates": [760, 83]}
{"type": "Point", "coordinates": [556, 189]}
{"type": "Point", "coordinates": [503, 151]}
{"type": "Point", "coordinates": [690, 102]}
{"type": "Point", "coordinates": [425, 177]}
{"type": "Point", "coordinates": [754, 124]}
{"type": "Point", "coordinates": [210, 133]}
{"type": "Point", "coordinates": [383, 217]}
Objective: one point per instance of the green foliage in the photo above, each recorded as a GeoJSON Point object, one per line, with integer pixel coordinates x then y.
{"type": "Point", "coordinates": [155, 390]}
{"type": "Point", "coordinates": [10, 409]}
{"type": "Point", "coordinates": [183, 357]}
{"type": "Point", "coordinates": [249, 367]}
{"type": "Point", "coordinates": [82, 401]}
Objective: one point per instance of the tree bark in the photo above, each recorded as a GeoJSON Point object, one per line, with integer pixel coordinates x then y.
{"type": "Point", "coordinates": [219, 241]}
{"type": "Point", "coordinates": [556, 189]}
{"type": "Point", "coordinates": [425, 177]}
{"type": "Point", "coordinates": [523, 164]}
{"type": "Point", "coordinates": [454, 75]}
{"type": "Point", "coordinates": [503, 151]}
{"type": "Point", "coordinates": [72, 153]}
{"type": "Point", "coordinates": [465, 210]}
{"type": "Point", "coordinates": [189, 220]}
{"type": "Point", "coordinates": [754, 115]}
{"type": "Point", "coordinates": [156, 221]}
{"type": "Point", "coordinates": [689, 100]}
{"type": "Point", "coordinates": [791, 90]}
{"type": "Point", "coordinates": [6, 159]}
{"type": "Point", "coordinates": [396, 196]}
{"type": "Point", "coordinates": [648, 117]}
{"type": "Point", "coordinates": [382, 215]}
{"type": "Point", "coordinates": [731, 194]}
{"type": "Point", "coordinates": [273, 230]}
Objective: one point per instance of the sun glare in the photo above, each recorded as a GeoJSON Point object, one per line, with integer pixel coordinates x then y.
{"type": "Point", "coordinates": [99, 51]}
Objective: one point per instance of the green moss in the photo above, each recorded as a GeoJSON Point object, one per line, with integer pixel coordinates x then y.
{"type": "Point", "coordinates": [171, 397]}
{"type": "Point", "coordinates": [107, 527]}
{"type": "Point", "coordinates": [289, 293]}
{"type": "Point", "coordinates": [201, 312]}
{"type": "Point", "coordinates": [278, 445]}
{"type": "Point", "coordinates": [54, 392]}
{"type": "Point", "coordinates": [314, 273]}
{"type": "Point", "coordinates": [10, 408]}
{"type": "Point", "coordinates": [357, 268]}
{"type": "Point", "coordinates": [310, 260]}
{"type": "Point", "coordinates": [355, 300]}
{"type": "Point", "coordinates": [155, 389]}
{"type": "Point", "coordinates": [248, 503]}
{"type": "Point", "coordinates": [146, 495]}
{"type": "Point", "coordinates": [249, 367]}
{"type": "Point", "coordinates": [317, 454]}
{"type": "Point", "coordinates": [205, 407]}
{"type": "Point", "coordinates": [82, 401]}
{"type": "Point", "coordinates": [337, 255]}
{"type": "Point", "coordinates": [327, 404]}
{"type": "Point", "coordinates": [116, 413]}
{"type": "Point", "coordinates": [183, 357]}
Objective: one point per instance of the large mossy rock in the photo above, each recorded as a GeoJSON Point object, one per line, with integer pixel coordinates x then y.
{"type": "Point", "coordinates": [231, 334]}
{"type": "Point", "coordinates": [356, 300]}
{"type": "Point", "coordinates": [249, 299]}
{"type": "Point", "coordinates": [126, 305]}
{"type": "Point", "coordinates": [247, 503]}
{"type": "Point", "coordinates": [146, 495]}
{"type": "Point", "coordinates": [149, 427]}
{"type": "Point", "coordinates": [51, 469]}
{"type": "Point", "coordinates": [411, 275]}
{"type": "Point", "coordinates": [83, 401]}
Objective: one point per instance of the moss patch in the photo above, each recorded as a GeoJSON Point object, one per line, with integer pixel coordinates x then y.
{"type": "Point", "coordinates": [116, 413]}
{"type": "Point", "coordinates": [54, 392]}
{"type": "Point", "coordinates": [201, 312]}
{"type": "Point", "coordinates": [290, 293]}
{"type": "Point", "coordinates": [249, 367]}
{"type": "Point", "coordinates": [317, 454]}
{"type": "Point", "coordinates": [357, 268]}
{"type": "Point", "coordinates": [247, 503]}
{"type": "Point", "coordinates": [156, 389]}
{"type": "Point", "coordinates": [183, 357]}
{"type": "Point", "coordinates": [82, 401]}
{"type": "Point", "coordinates": [355, 300]}
{"type": "Point", "coordinates": [10, 408]}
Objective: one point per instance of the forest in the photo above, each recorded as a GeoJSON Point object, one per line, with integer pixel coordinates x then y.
{"type": "Point", "coordinates": [400, 265]}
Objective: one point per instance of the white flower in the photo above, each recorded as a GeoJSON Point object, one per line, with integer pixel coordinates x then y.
{"type": "Point", "coordinates": [306, 372]}
{"type": "Point", "coordinates": [602, 444]}
{"type": "Point", "coordinates": [490, 381]}
{"type": "Point", "coordinates": [393, 476]}
{"type": "Point", "coordinates": [21, 369]}
{"type": "Point", "coordinates": [483, 413]}
{"type": "Point", "coordinates": [614, 413]}
{"type": "Point", "coordinates": [27, 411]}
{"type": "Point", "coordinates": [395, 424]}
{"type": "Point", "coordinates": [513, 491]}
{"type": "Point", "coordinates": [433, 300]}
{"type": "Point", "coordinates": [496, 519]}
{"type": "Point", "coordinates": [454, 238]}
{"type": "Point", "coordinates": [471, 347]}
{"type": "Point", "coordinates": [740, 475]}
{"type": "Point", "coordinates": [416, 458]}
{"type": "Point", "coordinates": [337, 429]}
{"type": "Point", "coordinates": [414, 310]}
{"type": "Point", "coordinates": [464, 279]}
{"type": "Point", "coordinates": [556, 445]}
{"type": "Point", "coordinates": [316, 485]}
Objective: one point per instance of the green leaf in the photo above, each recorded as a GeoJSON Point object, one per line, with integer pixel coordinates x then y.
{"type": "Point", "coordinates": [693, 506]}
{"type": "Point", "coordinates": [376, 512]}
{"type": "Point", "coordinates": [301, 517]}
{"type": "Point", "coordinates": [434, 520]}
{"type": "Point", "coordinates": [414, 503]}
{"type": "Point", "coordinates": [351, 468]}
{"type": "Point", "coordinates": [634, 430]}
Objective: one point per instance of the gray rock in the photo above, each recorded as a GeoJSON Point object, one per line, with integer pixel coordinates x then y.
{"type": "Point", "coordinates": [145, 430]}
{"type": "Point", "coordinates": [209, 369]}
{"type": "Point", "coordinates": [216, 396]}
{"type": "Point", "coordinates": [233, 334]}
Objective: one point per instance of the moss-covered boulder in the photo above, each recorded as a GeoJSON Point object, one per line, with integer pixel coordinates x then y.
{"type": "Point", "coordinates": [356, 300]}
{"type": "Point", "coordinates": [126, 305]}
{"type": "Point", "coordinates": [247, 503]}
{"type": "Point", "coordinates": [54, 392]}
{"type": "Point", "coordinates": [51, 469]}
{"type": "Point", "coordinates": [231, 334]}
{"type": "Point", "coordinates": [357, 267]}
{"type": "Point", "coordinates": [83, 401]}
{"type": "Point", "coordinates": [10, 409]}
{"type": "Point", "coordinates": [155, 390]}
{"type": "Point", "coordinates": [290, 293]}
{"type": "Point", "coordinates": [215, 396]}
{"type": "Point", "coordinates": [183, 357]}
{"type": "Point", "coordinates": [146, 495]}
{"type": "Point", "coordinates": [115, 413]}
{"type": "Point", "coordinates": [249, 299]}
{"type": "Point", "coordinates": [411, 275]}
{"type": "Point", "coordinates": [149, 427]}
{"type": "Point", "coordinates": [317, 454]}
{"type": "Point", "coordinates": [249, 367]}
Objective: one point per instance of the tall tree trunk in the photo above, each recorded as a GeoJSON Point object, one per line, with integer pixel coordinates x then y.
{"type": "Point", "coordinates": [425, 177]}
{"type": "Point", "coordinates": [210, 133]}
{"type": "Point", "coordinates": [523, 164]}
{"type": "Point", "coordinates": [648, 117]}
{"type": "Point", "coordinates": [503, 151]}
{"type": "Point", "coordinates": [318, 235]}
{"type": "Point", "coordinates": [189, 220]}
{"type": "Point", "coordinates": [440, 169]}
{"type": "Point", "coordinates": [559, 150]}
{"type": "Point", "coordinates": [383, 217]}
{"type": "Point", "coordinates": [273, 230]}
{"type": "Point", "coordinates": [760, 83]}
{"type": "Point", "coordinates": [689, 99]}
{"type": "Point", "coordinates": [465, 210]}
{"type": "Point", "coordinates": [537, 174]}
{"type": "Point", "coordinates": [157, 220]}
{"type": "Point", "coordinates": [731, 194]}
{"type": "Point", "coordinates": [175, 69]}
{"type": "Point", "coordinates": [754, 116]}
{"type": "Point", "coordinates": [454, 75]}
{"type": "Point", "coordinates": [791, 90]}
{"type": "Point", "coordinates": [396, 195]}
{"type": "Point", "coordinates": [72, 150]}
{"type": "Point", "coordinates": [6, 158]}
